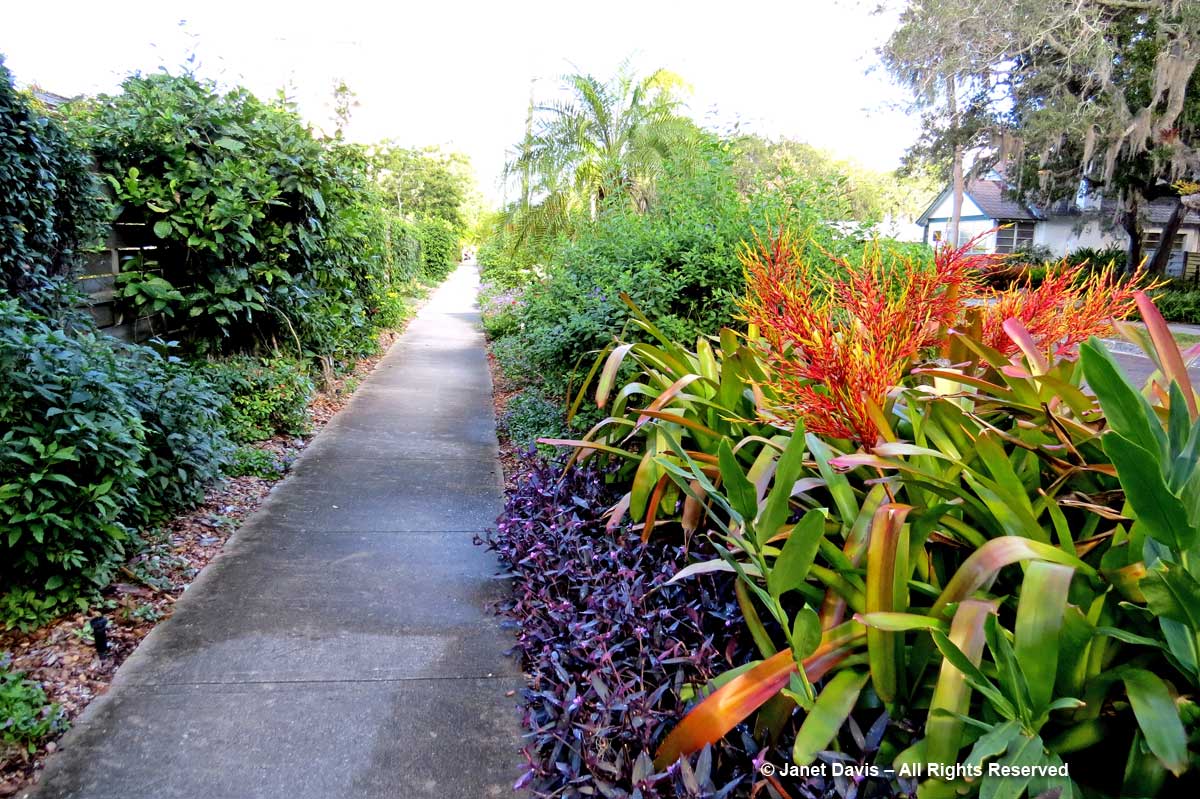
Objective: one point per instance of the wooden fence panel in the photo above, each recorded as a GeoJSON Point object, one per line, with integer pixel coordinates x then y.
{"type": "Point", "coordinates": [98, 281]}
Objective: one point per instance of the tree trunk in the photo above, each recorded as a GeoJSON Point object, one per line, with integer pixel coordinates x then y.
{"type": "Point", "coordinates": [525, 149]}
{"type": "Point", "coordinates": [1133, 251]}
{"type": "Point", "coordinates": [1158, 265]}
{"type": "Point", "coordinates": [956, 169]}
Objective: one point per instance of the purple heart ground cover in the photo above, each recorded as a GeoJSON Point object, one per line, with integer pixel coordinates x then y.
{"type": "Point", "coordinates": [611, 650]}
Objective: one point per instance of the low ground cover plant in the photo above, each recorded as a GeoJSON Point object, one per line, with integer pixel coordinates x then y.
{"type": "Point", "coordinates": [26, 718]}
{"type": "Point", "coordinates": [254, 462]}
{"type": "Point", "coordinates": [263, 397]}
{"type": "Point", "coordinates": [529, 416]}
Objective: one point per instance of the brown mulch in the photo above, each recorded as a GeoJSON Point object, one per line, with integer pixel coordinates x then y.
{"type": "Point", "coordinates": [504, 390]}
{"type": "Point", "coordinates": [62, 657]}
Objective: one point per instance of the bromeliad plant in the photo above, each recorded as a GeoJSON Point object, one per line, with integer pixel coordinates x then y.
{"type": "Point", "coordinates": [699, 398]}
{"type": "Point", "coordinates": [960, 550]}
{"type": "Point", "coordinates": [1024, 669]}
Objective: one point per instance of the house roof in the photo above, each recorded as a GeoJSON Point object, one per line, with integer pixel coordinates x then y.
{"type": "Point", "coordinates": [992, 197]}
{"type": "Point", "coordinates": [50, 99]}
{"type": "Point", "coordinates": [1159, 211]}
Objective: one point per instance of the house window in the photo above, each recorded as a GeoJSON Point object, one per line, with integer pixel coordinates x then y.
{"type": "Point", "coordinates": [1152, 238]}
{"type": "Point", "coordinates": [1014, 237]}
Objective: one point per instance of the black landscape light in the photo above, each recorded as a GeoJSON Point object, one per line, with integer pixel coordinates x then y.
{"type": "Point", "coordinates": [100, 635]}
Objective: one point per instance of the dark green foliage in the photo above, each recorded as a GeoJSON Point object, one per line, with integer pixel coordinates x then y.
{"type": "Point", "coordinates": [50, 205]}
{"type": "Point", "coordinates": [186, 444]}
{"type": "Point", "coordinates": [439, 248]}
{"type": "Point", "coordinates": [95, 442]}
{"type": "Point", "coordinates": [1179, 304]}
{"type": "Point", "coordinates": [265, 234]}
{"type": "Point", "coordinates": [26, 717]}
{"type": "Point", "coordinates": [1098, 258]}
{"type": "Point", "coordinates": [254, 462]}
{"type": "Point", "coordinates": [678, 261]}
{"type": "Point", "coordinates": [231, 189]}
{"type": "Point", "coordinates": [264, 397]}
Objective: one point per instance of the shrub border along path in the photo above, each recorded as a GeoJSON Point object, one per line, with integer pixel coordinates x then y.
{"type": "Point", "coordinates": [60, 656]}
{"type": "Point", "coordinates": [341, 645]}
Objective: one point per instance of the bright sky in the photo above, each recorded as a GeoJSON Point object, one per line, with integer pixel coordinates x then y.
{"type": "Point", "coordinates": [458, 73]}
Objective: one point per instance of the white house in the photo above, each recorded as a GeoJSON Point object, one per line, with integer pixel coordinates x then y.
{"type": "Point", "coordinates": [988, 204]}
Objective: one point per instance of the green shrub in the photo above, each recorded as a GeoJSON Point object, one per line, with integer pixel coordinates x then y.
{"type": "Point", "coordinates": [1179, 305]}
{"type": "Point", "coordinates": [439, 248]}
{"type": "Point", "coordinates": [51, 202]}
{"type": "Point", "coordinates": [503, 265]}
{"type": "Point", "coordinates": [186, 442]}
{"type": "Point", "coordinates": [264, 397]}
{"type": "Point", "coordinates": [530, 416]}
{"type": "Point", "coordinates": [26, 718]}
{"type": "Point", "coordinates": [96, 441]}
{"type": "Point", "coordinates": [678, 261]}
{"type": "Point", "coordinates": [1099, 258]}
{"type": "Point", "coordinates": [265, 234]}
{"type": "Point", "coordinates": [254, 462]}
{"type": "Point", "coordinates": [405, 249]}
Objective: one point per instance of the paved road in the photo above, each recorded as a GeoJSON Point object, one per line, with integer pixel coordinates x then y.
{"type": "Point", "coordinates": [340, 647]}
{"type": "Point", "coordinates": [1139, 368]}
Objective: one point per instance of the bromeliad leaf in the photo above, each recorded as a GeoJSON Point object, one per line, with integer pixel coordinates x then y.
{"type": "Point", "coordinates": [778, 505]}
{"type": "Point", "coordinates": [827, 716]}
{"type": "Point", "coordinates": [738, 489]}
{"type": "Point", "coordinates": [799, 551]}
{"type": "Point", "coordinates": [1127, 412]}
{"type": "Point", "coordinates": [1158, 718]}
{"type": "Point", "coordinates": [1161, 512]}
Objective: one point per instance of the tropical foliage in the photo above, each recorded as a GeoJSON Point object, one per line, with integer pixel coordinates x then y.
{"type": "Point", "coordinates": [605, 143]}
{"type": "Point", "coordinates": [982, 549]}
{"type": "Point", "coordinates": [677, 259]}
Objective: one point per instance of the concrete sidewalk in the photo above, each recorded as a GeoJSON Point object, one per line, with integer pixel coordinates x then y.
{"type": "Point", "coordinates": [340, 646]}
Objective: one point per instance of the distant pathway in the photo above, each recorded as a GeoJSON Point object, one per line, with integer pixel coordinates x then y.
{"type": "Point", "coordinates": [340, 647]}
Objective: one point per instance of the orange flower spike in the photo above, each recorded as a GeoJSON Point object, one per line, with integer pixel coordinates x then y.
{"type": "Point", "coordinates": [1067, 308]}
{"type": "Point", "coordinates": [840, 348]}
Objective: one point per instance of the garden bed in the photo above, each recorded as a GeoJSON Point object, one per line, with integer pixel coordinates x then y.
{"type": "Point", "coordinates": [61, 656]}
{"type": "Point", "coordinates": [614, 653]}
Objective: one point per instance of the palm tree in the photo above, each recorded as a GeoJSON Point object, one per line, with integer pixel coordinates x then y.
{"type": "Point", "coordinates": [607, 142]}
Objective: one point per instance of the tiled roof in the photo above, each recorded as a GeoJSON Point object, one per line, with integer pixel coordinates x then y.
{"type": "Point", "coordinates": [993, 199]}
{"type": "Point", "coordinates": [1159, 211]}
